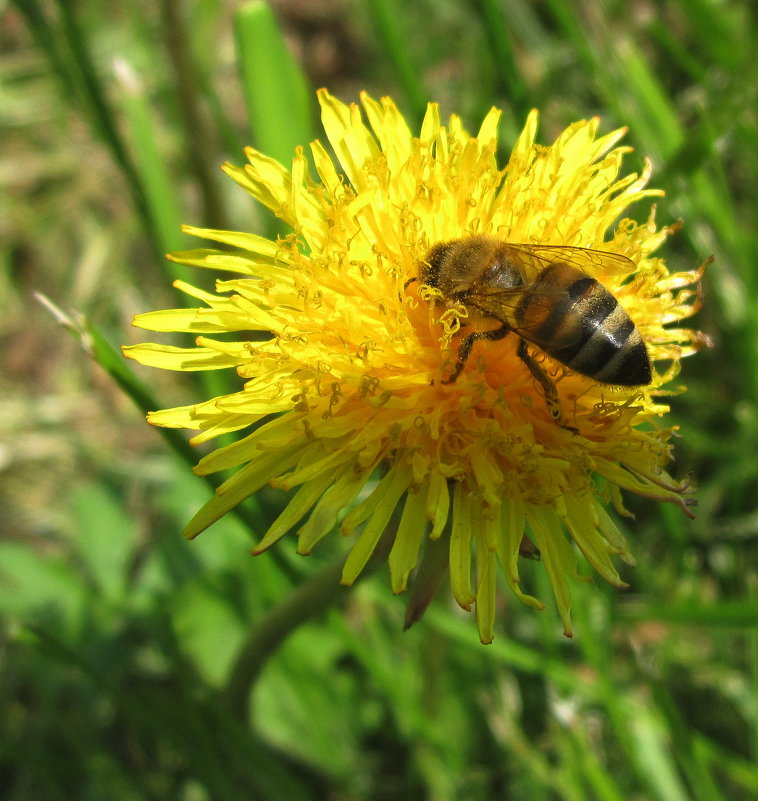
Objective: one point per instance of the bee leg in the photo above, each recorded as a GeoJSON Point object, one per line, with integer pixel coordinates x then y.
{"type": "Point", "coordinates": [548, 387]}
{"type": "Point", "coordinates": [468, 342]}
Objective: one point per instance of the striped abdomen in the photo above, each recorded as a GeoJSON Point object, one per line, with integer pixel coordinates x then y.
{"type": "Point", "coordinates": [577, 321]}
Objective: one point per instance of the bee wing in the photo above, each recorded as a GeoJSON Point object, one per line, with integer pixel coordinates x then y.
{"type": "Point", "coordinates": [502, 304]}
{"type": "Point", "coordinates": [496, 302]}
{"type": "Point", "coordinates": [594, 263]}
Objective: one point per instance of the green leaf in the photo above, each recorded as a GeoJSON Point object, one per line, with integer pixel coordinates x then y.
{"type": "Point", "coordinates": [31, 583]}
{"type": "Point", "coordinates": [104, 539]}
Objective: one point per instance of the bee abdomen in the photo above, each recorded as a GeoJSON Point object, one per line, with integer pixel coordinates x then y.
{"type": "Point", "coordinates": [589, 332]}
{"type": "Point", "coordinates": [610, 348]}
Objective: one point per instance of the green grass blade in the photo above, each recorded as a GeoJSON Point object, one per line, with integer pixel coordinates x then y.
{"type": "Point", "coordinates": [197, 136]}
{"type": "Point", "coordinates": [276, 92]}
{"type": "Point", "coordinates": [67, 50]}
{"type": "Point", "coordinates": [388, 19]}
{"type": "Point", "coordinates": [151, 166]}
{"type": "Point", "coordinates": [496, 22]}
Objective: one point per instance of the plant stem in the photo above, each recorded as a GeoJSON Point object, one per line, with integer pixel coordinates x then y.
{"type": "Point", "coordinates": [307, 601]}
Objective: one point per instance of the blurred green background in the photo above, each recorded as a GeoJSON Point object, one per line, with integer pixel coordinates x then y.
{"type": "Point", "coordinates": [127, 653]}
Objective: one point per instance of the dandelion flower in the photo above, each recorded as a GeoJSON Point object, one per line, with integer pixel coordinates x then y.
{"type": "Point", "coordinates": [347, 403]}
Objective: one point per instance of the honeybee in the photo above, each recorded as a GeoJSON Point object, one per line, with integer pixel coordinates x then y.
{"type": "Point", "coordinates": [544, 294]}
